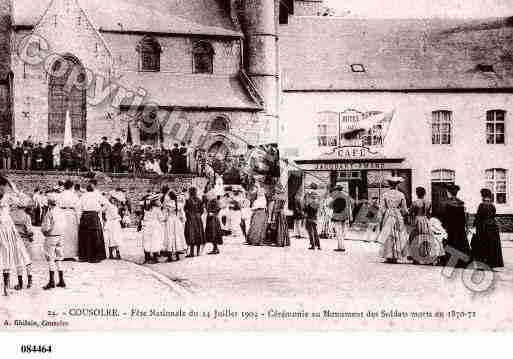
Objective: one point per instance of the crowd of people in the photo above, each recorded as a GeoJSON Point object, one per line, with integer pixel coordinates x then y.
{"type": "Point", "coordinates": [88, 225]}
{"type": "Point", "coordinates": [77, 225]}
{"type": "Point", "coordinates": [413, 234]}
{"type": "Point", "coordinates": [117, 157]}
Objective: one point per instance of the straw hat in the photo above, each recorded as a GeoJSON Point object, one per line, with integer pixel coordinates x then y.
{"type": "Point", "coordinates": [117, 196]}
{"type": "Point", "coordinates": [395, 179]}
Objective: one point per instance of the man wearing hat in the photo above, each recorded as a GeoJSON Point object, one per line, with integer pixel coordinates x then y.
{"type": "Point", "coordinates": [116, 156]}
{"type": "Point", "coordinates": [23, 225]}
{"type": "Point", "coordinates": [79, 155]}
{"type": "Point", "coordinates": [105, 154]}
{"type": "Point", "coordinates": [53, 230]}
{"type": "Point", "coordinates": [310, 210]}
{"type": "Point", "coordinates": [341, 204]}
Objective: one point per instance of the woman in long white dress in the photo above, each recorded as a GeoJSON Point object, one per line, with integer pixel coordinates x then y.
{"type": "Point", "coordinates": [174, 232]}
{"type": "Point", "coordinates": [69, 202]}
{"type": "Point", "coordinates": [393, 235]}
{"type": "Point", "coordinates": [13, 253]}
{"type": "Point", "coordinates": [153, 229]}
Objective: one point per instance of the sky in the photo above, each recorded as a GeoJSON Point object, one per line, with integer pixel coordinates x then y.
{"type": "Point", "coordinates": [424, 8]}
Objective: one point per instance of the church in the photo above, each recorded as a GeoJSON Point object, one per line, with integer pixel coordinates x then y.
{"type": "Point", "coordinates": [209, 65]}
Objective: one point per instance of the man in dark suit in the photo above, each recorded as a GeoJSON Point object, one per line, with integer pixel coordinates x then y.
{"type": "Point", "coordinates": [18, 156]}
{"type": "Point", "coordinates": [79, 155]}
{"type": "Point", "coordinates": [38, 157]}
{"type": "Point", "coordinates": [28, 145]}
{"type": "Point", "coordinates": [183, 158]}
{"type": "Point", "coordinates": [175, 159]}
{"type": "Point", "coordinates": [310, 210]}
{"type": "Point", "coordinates": [105, 155]}
{"type": "Point", "coordinates": [116, 156]}
{"type": "Point", "coordinates": [48, 156]}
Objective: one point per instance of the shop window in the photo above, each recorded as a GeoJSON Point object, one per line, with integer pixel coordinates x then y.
{"type": "Point", "coordinates": [495, 127]}
{"type": "Point", "coordinates": [327, 129]}
{"type": "Point", "coordinates": [442, 127]}
{"type": "Point", "coordinates": [496, 181]}
{"type": "Point", "coordinates": [149, 54]}
{"type": "Point", "coordinates": [203, 58]}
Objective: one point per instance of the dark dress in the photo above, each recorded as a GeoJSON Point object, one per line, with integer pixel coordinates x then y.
{"type": "Point", "coordinates": [91, 245]}
{"type": "Point", "coordinates": [213, 231]}
{"type": "Point", "coordinates": [194, 234]}
{"type": "Point", "coordinates": [486, 245]}
{"type": "Point", "coordinates": [454, 221]}
{"type": "Point", "coordinates": [279, 231]}
{"type": "Point", "coordinates": [297, 209]}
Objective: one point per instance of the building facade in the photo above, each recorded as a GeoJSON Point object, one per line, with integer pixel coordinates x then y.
{"type": "Point", "coordinates": [445, 84]}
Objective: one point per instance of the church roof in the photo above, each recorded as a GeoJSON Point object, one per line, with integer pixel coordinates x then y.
{"type": "Point", "coordinates": [191, 91]}
{"type": "Point", "coordinates": [196, 17]}
{"type": "Point", "coordinates": [336, 54]}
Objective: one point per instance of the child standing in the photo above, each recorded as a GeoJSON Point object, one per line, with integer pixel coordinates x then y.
{"type": "Point", "coordinates": [113, 231]}
{"type": "Point", "coordinates": [153, 229]}
{"type": "Point", "coordinates": [53, 229]}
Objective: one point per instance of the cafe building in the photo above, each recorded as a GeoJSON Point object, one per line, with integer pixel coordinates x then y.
{"type": "Point", "coordinates": [443, 89]}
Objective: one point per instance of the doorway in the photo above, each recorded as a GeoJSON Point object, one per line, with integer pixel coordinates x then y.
{"type": "Point", "coordinates": [440, 179]}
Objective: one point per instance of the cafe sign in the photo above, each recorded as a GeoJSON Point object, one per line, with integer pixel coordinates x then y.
{"type": "Point", "coordinates": [351, 153]}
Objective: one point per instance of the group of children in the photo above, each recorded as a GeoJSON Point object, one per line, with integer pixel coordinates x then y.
{"type": "Point", "coordinates": [163, 221]}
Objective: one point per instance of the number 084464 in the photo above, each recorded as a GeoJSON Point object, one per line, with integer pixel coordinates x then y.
{"type": "Point", "coordinates": [28, 349]}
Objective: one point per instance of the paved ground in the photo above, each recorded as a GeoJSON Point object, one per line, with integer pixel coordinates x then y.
{"type": "Point", "coordinates": [252, 286]}
{"type": "Point", "coordinates": [268, 278]}
{"type": "Point", "coordinates": [120, 285]}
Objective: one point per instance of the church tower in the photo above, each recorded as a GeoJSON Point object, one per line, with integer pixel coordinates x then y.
{"type": "Point", "coordinates": [259, 21]}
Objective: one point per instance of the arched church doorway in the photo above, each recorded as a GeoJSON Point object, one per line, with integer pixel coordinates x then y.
{"type": "Point", "coordinates": [62, 100]}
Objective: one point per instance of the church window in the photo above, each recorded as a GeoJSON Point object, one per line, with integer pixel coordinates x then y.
{"type": "Point", "coordinates": [203, 58]}
{"type": "Point", "coordinates": [149, 54]}
{"type": "Point", "coordinates": [62, 102]}
{"type": "Point", "coordinates": [220, 124]}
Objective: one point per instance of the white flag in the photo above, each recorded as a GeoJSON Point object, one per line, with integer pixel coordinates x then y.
{"type": "Point", "coordinates": [368, 123]}
{"type": "Point", "coordinates": [68, 137]}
